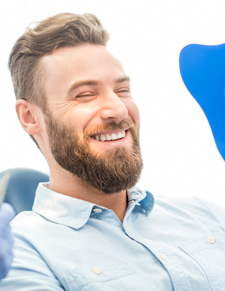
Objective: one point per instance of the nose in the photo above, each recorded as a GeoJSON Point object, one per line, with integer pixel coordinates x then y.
{"type": "Point", "coordinates": [112, 108]}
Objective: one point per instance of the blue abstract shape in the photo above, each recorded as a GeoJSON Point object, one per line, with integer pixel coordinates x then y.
{"type": "Point", "coordinates": [202, 69]}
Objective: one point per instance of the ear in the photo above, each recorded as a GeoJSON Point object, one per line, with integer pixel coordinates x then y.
{"type": "Point", "coordinates": [28, 116]}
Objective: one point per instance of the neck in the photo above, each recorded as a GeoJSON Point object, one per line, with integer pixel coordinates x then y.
{"type": "Point", "coordinates": [70, 185]}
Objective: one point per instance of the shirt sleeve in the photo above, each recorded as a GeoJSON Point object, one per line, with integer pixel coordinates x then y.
{"type": "Point", "coordinates": [29, 272]}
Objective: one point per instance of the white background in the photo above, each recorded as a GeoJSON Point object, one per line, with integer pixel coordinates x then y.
{"type": "Point", "coordinates": [180, 156]}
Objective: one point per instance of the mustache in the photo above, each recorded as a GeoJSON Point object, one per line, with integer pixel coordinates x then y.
{"type": "Point", "coordinates": [94, 129]}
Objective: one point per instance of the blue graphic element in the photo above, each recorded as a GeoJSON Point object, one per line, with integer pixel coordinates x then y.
{"type": "Point", "coordinates": [202, 69]}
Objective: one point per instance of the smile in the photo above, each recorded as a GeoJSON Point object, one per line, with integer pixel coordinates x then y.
{"type": "Point", "coordinates": [109, 136]}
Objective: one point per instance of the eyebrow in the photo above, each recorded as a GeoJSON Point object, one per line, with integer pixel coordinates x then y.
{"type": "Point", "coordinates": [94, 83]}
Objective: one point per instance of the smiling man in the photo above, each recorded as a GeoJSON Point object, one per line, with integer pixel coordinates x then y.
{"type": "Point", "coordinates": [91, 228]}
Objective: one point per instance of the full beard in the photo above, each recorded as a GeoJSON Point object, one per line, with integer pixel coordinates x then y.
{"type": "Point", "coordinates": [118, 170]}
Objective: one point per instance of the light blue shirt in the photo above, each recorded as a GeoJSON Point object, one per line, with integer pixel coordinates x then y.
{"type": "Point", "coordinates": [162, 244]}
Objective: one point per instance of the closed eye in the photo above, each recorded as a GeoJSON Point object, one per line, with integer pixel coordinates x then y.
{"type": "Point", "coordinates": [124, 92]}
{"type": "Point", "coordinates": [85, 95]}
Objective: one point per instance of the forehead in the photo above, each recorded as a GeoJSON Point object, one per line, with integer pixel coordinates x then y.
{"type": "Point", "coordinates": [67, 65]}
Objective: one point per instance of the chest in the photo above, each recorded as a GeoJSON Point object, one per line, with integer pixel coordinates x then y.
{"type": "Point", "coordinates": [145, 254]}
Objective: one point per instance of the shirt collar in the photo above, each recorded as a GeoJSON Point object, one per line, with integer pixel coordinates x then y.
{"type": "Point", "coordinates": [75, 212]}
{"type": "Point", "coordinates": [143, 198]}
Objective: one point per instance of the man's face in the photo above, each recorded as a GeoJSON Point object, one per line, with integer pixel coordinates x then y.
{"type": "Point", "coordinates": [91, 119]}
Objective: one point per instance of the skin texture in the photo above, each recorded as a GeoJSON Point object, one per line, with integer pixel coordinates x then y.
{"type": "Point", "coordinates": [86, 90]}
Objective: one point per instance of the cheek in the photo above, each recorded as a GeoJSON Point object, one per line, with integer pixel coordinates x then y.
{"type": "Point", "coordinates": [133, 111]}
{"type": "Point", "coordinates": [80, 117]}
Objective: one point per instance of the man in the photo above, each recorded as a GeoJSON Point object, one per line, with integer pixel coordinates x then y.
{"type": "Point", "coordinates": [6, 240]}
{"type": "Point", "coordinates": [91, 228]}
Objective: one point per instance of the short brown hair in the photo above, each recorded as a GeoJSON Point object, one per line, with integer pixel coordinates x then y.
{"type": "Point", "coordinates": [62, 30]}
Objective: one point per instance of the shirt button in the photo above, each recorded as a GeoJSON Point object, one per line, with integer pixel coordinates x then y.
{"type": "Point", "coordinates": [97, 210]}
{"type": "Point", "coordinates": [96, 270]}
{"type": "Point", "coordinates": [163, 257]}
{"type": "Point", "coordinates": [127, 228]}
{"type": "Point", "coordinates": [210, 239]}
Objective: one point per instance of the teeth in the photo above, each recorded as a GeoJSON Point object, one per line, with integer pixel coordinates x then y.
{"type": "Point", "coordinates": [119, 135]}
{"type": "Point", "coordinates": [102, 137]}
{"type": "Point", "coordinates": [113, 136]}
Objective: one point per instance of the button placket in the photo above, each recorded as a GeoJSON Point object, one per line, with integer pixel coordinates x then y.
{"type": "Point", "coordinates": [163, 257]}
{"type": "Point", "coordinates": [127, 228]}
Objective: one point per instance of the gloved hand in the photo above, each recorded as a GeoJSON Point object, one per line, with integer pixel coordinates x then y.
{"type": "Point", "coordinates": [6, 241]}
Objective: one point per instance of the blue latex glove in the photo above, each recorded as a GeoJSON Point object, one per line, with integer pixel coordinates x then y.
{"type": "Point", "coordinates": [6, 241]}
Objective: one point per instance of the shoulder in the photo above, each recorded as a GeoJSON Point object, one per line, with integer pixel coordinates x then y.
{"type": "Point", "coordinates": [187, 202]}
{"type": "Point", "coordinates": [29, 226]}
{"type": "Point", "coordinates": [196, 206]}
{"type": "Point", "coordinates": [26, 219]}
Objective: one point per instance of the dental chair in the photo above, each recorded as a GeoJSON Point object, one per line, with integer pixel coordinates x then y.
{"type": "Point", "coordinates": [21, 188]}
